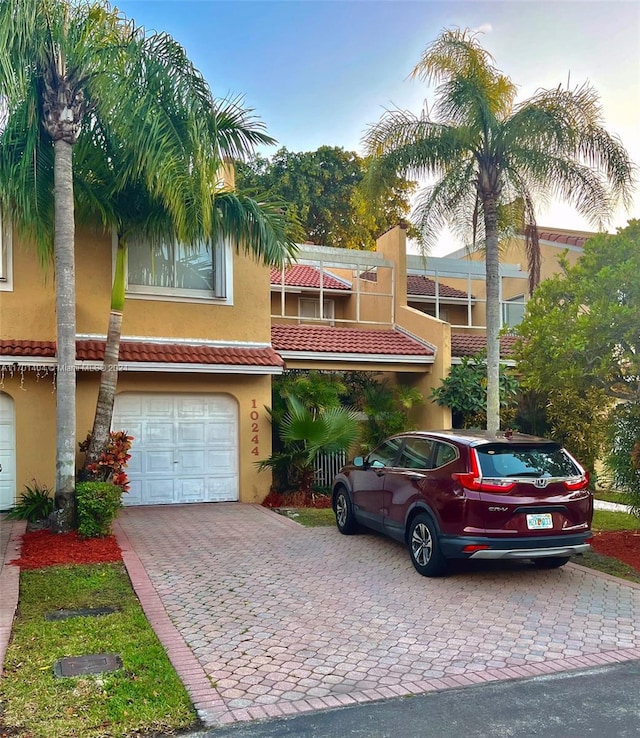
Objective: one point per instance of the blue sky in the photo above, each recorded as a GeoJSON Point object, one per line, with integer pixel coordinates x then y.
{"type": "Point", "coordinates": [319, 72]}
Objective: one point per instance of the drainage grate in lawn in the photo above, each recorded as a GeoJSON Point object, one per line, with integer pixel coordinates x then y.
{"type": "Point", "coordinates": [91, 664]}
{"type": "Point", "coordinates": [86, 612]}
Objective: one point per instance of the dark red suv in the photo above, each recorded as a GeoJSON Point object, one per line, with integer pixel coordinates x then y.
{"type": "Point", "coordinates": [469, 495]}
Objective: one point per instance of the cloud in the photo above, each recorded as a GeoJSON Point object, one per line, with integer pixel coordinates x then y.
{"type": "Point", "coordinates": [483, 28]}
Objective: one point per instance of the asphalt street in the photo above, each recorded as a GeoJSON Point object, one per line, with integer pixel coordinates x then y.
{"type": "Point", "coordinates": [602, 702]}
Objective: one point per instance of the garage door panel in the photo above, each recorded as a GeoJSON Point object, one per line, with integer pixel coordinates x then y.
{"type": "Point", "coordinates": [191, 462]}
{"type": "Point", "coordinates": [159, 462]}
{"type": "Point", "coordinates": [157, 433]}
{"type": "Point", "coordinates": [223, 490]}
{"type": "Point", "coordinates": [134, 495]}
{"type": "Point", "coordinates": [192, 489]}
{"type": "Point", "coordinates": [159, 491]}
{"type": "Point", "coordinates": [190, 408]}
{"type": "Point", "coordinates": [159, 406]}
{"type": "Point", "coordinates": [191, 433]}
{"type": "Point", "coordinates": [130, 406]}
{"type": "Point", "coordinates": [221, 431]}
{"type": "Point", "coordinates": [222, 460]}
{"type": "Point", "coordinates": [184, 448]}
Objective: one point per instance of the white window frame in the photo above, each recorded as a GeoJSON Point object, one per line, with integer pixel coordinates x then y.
{"type": "Point", "coordinates": [222, 256]}
{"type": "Point", "coordinates": [512, 302]}
{"type": "Point", "coordinates": [328, 310]}
{"type": "Point", "coordinates": [6, 256]}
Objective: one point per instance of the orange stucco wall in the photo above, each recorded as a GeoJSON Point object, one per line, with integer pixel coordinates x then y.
{"type": "Point", "coordinates": [28, 312]}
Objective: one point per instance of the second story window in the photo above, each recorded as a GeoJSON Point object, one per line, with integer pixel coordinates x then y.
{"type": "Point", "coordinates": [5, 255]}
{"type": "Point", "coordinates": [513, 311]}
{"type": "Point", "coordinates": [176, 270]}
{"type": "Point", "coordinates": [309, 308]}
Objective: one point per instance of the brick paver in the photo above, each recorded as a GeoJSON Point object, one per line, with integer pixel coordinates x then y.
{"type": "Point", "coordinates": [279, 619]}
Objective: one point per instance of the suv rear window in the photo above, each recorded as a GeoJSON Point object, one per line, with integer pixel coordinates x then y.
{"type": "Point", "coordinates": [497, 461]}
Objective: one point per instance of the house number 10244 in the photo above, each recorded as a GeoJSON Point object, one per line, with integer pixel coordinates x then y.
{"type": "Point", "coordinates": [255, 433]}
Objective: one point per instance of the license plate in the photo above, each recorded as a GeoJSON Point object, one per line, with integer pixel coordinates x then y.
{"type": "Point", "coordinates": [539, 521]}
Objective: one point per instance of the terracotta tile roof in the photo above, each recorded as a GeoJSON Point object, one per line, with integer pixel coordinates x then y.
{"type": "Point", "coordinates": [469, 344]}
{"type": "Point", "coordinates": [303, 275]}
{"type": "Point", "coordinates": [562, 238]}
{"type": "Point", "coordinates": [31, 349]}
{"type": "Point", "coordinates": [148, 352]}
{"type": "Point", "coordinates": [418, 284]}
{"type": "Point", "coordinates": [326, 339]}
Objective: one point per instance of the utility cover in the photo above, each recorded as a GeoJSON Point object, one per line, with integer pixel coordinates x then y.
{"type": "Point", "coordinates": [86, 612]}
{"type": "Point", "coordinates": [91, 664]}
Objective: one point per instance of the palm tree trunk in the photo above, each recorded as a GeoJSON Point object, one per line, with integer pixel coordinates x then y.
{"type": "Point", "coordinates": [64, 250]}
{"type": "Point", "coordinates": [109, 376]}
{"type": "Point", "coordinates": [492, 259]}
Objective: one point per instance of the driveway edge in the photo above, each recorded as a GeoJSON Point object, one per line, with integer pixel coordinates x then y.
{"type": "Point", "coordinates": [207, 701]}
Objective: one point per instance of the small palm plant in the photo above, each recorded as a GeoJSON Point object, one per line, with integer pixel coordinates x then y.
{"type": "Point", "coordinates": [305, 433]}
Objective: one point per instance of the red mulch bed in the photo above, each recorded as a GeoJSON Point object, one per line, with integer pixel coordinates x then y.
{"type": "Point", "coordinates": [42, 548]}
{"type": "Point", "coordinates": [623, 545]}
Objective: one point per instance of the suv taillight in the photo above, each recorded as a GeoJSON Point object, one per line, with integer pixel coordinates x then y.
{"type": "Point", "coordinates": [579, 483]}
{"type": "Point", "coordinates": [472, 480]}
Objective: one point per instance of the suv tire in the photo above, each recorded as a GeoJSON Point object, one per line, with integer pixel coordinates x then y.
{"type": "Point", "coordinates": [424, 548]}
{"type": "Point", "coordinates": [345, 519]}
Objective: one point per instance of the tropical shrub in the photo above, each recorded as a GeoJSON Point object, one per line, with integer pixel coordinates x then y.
{"type": "Point", "coordinates": [97, 506]}
{"type": "Point", "coordinates": [111, 465]}
{"type": "Point", "coordinates": [36, 503]}
{"type": "Point", "coordinates": [464, 390]}
{"type": "Point", "coordinates": [304, 434]}
{"type": "Point", "coordinates": [623, 457]}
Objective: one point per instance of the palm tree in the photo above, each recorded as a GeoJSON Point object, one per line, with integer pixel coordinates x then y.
{"type": "Point", "coordinates": [306, 432]}
{"type": "Point", "coordinates": [74, 69]}
{"type": "Point", "coordinates": [492, 158]}
{"type": "Point", "coordinates": [256, 226]}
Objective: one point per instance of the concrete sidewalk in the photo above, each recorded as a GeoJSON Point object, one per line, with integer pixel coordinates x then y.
{"type": "Point", "coordinates": [10, 532]}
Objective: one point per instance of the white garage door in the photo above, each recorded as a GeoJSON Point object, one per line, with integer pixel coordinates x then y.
{"type": "Point", "coordinates": [7, 452]}
{"type": "Point", "coordinates": [185, 447]}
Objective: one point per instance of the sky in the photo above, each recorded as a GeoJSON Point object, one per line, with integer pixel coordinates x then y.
{"type": "Point", "coordinates": [319, 72]}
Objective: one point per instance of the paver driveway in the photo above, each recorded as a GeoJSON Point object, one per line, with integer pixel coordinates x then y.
{"type": "Point", "coordinates": [279, 619]}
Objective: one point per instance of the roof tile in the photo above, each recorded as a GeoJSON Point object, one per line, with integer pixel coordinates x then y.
{"type": "Point", "coordinates": [562, 238]}
{"type": "Point", "coordinates": [418, 284]}
{"type": "Point", "coordinates": [148, 352]}
{"type": "Point", "coordinates": [326, 339]}
{"type": "Point", "coordinates": [303, 275]}
{"type": "Point", "coordinates": [469, 344]}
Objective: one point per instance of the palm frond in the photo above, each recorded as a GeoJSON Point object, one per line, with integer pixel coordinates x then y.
{"type": "Point", "coordinates": [259, 228]}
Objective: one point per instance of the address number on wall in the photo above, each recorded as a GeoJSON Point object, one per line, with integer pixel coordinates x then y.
{"type": "Point", "coordinates": [255, 433]}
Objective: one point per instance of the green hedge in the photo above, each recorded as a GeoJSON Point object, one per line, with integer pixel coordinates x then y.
{"type": "Point", "coordinates": [98, 504]}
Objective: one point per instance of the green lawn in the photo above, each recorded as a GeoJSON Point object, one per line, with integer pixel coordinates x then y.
{"type": "Point", "coordinates": [608, 496]}
{"type": "Point", "coordinates": [144, 696]}
{"type": "Point", "coordinates": [607, 520]}
{"type": "Point", "coordinates": [312, 517]}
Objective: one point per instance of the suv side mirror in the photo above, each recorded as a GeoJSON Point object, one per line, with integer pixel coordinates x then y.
{"type": "Point", "coordinates": [359, 461]}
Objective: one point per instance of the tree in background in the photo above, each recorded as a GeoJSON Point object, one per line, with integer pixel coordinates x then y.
{"type": "Point", "coordinates": [464, 390]}
{"type": "Point", "coordinates": [325, 190]}
{"type": "Point", "coordinates": [488, 153]}
{"type": "Point", "coordinates": [580, 345]}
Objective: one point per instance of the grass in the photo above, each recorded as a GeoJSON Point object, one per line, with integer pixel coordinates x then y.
{"type": "Point", "coordinates": [145, 695]}
{"type": "Point", "coordinates": [607, 520]}
{"type": "Point", "coordinates": [608, 565]}
{"type": "Point", "coordinates": [312, 517]}
{"type": "Point", "coordinates": [608, 496]}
